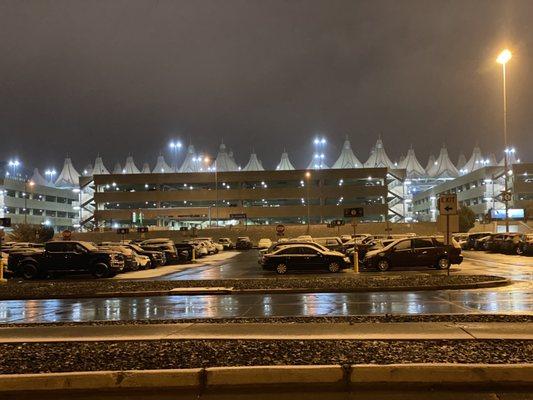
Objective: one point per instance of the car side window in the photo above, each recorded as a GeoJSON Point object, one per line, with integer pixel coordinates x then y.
{"type": "Point", "coordinates": [79, 248]}
{"type": "Point", "coordinates": [55, 247]}
{"type": "Point", "coordinates": [290, 250]}
{"type": "Point", "coordinates": [308, 251]}
{"type": "Point", "coordinates": [403, 245]}
{"type": "Point", "coordinates": [422, 243]}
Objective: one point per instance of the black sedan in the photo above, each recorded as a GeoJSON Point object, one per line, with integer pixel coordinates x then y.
{"type": "Point", "coordinates": [416, 252]}
{"type": "Point", "coordinates": [303, 257]}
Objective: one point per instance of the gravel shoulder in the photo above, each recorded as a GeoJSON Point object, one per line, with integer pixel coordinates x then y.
{"type": "Point", "coordinates": [354, 319]}
{"type": "Point", "coordinates": [167, 354]}
{"type": "Point", "coordinates": [20, 290]}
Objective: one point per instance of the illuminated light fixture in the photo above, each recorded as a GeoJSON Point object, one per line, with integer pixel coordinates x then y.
{"type": "Point", "coordinates": [504, 56]}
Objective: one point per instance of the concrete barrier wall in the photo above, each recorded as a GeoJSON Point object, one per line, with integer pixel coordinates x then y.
{"type": "Point", "coordinates": [256, 232]}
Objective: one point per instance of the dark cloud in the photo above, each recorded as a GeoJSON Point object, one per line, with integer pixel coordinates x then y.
{"type": "Point", "coordinates": [119, 77]}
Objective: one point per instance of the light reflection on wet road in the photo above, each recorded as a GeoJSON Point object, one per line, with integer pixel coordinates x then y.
{"type": "Point", "coordinates": [517, 298]}
{"type": "Point", "coordinates": [221, 306]}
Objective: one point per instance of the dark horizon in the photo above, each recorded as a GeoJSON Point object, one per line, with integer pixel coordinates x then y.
{"type": "Point", "coordinates": [126, 77]}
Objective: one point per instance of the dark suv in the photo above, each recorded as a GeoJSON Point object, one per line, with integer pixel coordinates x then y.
{"type": "Point", "coordinates": [66, 257]}
{"type": "Point", "coordinates": [414, 252]}
{"type": "Point", "coordinates": [243, 243]}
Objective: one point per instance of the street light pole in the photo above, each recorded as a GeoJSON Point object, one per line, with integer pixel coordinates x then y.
{"type": "Point", "coordinates": [503, 58]}
{"type": "Point", "coordinates": [307, 184]}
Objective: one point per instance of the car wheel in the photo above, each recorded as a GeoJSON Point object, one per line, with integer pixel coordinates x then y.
{"type": "Point", "coordinates": [148, 265]}
{"type": "Point", "coordinates": [443, 263]}
{"type": "Point", "coordinates": [100, 270]}
{"type": "Point", "coordinates": [281, 269]}
{"type": "Point", "coordinates": [519, 251]}
{"type": "Point", "coordinates": [334, 267]}
{"type": "Point", "coordinates": [383, 265]}
{"type": "Point", "coordinates": [29, 271]}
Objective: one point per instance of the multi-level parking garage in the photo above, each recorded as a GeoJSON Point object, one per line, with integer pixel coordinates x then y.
{"type": "Point", "coordinates": [258, 197]}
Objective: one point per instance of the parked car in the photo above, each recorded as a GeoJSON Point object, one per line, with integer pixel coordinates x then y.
{"type": "Point", "coordinates": [166, 246]}
{"type": "Point", "coordinates": [526, 245]}
{"type": "Point", "coordinates": [226, 243]}
{"type": "Point", "coordinates": [482, 242]}
{"type": "Point", "coordinates": [333, 243]}
{"type": "Point", "coordinates": [243, 243]}
{"type": "Point", "coordinates": [510, 243]}
{"type": "Point", "coordinates": [264, 243]}
{"type": "Point", "coordinates": [66, 257]}
{"type": "Point", "coordinates": [157, 258]}
{"type": "Point", "coordinates": [494, 244]}
{"type": "Point", "coordinates": [217, 246]}
{"type": "Point", "coordinates": [131, 262]}
{"type": "Point", "coordinates": [471, 240]}
{"type": "Point", "coordinates": [281, 244]}
{"type": "Point", "coordinates": [415, 252]}
{"type": "Point", "coordinates": [200, 248]}
{"type": "Point", "coordinates": [303, 257]}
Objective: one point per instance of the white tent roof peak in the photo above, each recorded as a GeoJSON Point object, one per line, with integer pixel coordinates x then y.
{"type": "Point", "coordinates": [191, 163]}
{"type": "Point", "coordinates": [99, 167]}
{"type": "Point", "coordinates": [284, 164]}
{"type": "Point", "coordinates": [117, 169]}
{"type": "Point", "coordinates": [411, 164]}
{"type": "Point", "coordinates": [475, 161]}
{"type": "Point", "coordinates": [254, 164]}
{"type": "Point", "coordinates": [223, 162]}
{"type": "Point", "coordinates": [88, 170]}
{"type": "Point", "coordinates": [378, 157]}
{"type": "Point", "coordinates": [161, 166]}
{"type": "Point", "coordinates": [347, 158]}
{"type": "Point", "coordinates": [461, 162]}
{"type": "Point", "coordinates": [443, 166]}
{"type": "Point", "coordinates": [431, 162]}
{"type": "Point", "coordinates": [492, 159]}
{"type": "Point", "coordinates": [38, 179]}
{"type": "Point", "coordinates": [146, 168]}
{"type": "Point", "coordinates": [130, 167]}
{"type": "Point", "coordinates": [68, 177]}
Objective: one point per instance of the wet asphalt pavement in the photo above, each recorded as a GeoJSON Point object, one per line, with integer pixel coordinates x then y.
{"type": "Point", "coordinates": [517, 298]}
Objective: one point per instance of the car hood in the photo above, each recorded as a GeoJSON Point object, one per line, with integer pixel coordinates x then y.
{"type": "Point", "coordinates": [373, 253]}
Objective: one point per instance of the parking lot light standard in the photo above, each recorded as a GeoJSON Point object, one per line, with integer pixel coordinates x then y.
{"type": "Point", "coordinates": [307, 178]}
{"type": "Point", "coordinates": [502, 59]}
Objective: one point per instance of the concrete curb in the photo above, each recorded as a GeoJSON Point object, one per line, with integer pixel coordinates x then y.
{"type": "Point", "coordinates": [200, 379]}
{"type": "Point", "coordinates": [192, 291]}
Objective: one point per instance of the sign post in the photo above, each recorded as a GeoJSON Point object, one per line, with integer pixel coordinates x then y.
{"type": "Point", "coordinates": [447, 207]}
{"type": "Point", "coordinates": [355, 212]}
{"type": "Point", "coordinates": [141, 230]}
{"type": "Point", "coordinates": [122, 232]}
{"type": "Point", "coordinates": [4, 223]}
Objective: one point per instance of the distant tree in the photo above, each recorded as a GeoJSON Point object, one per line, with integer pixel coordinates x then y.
{"type": "Point", "coordinates": [467, 219]}
{"type": "Point", "coordinates": [32, 233]}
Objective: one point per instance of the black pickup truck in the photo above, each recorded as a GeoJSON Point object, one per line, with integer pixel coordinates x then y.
{"type": "Point", "coordinates": [66, 257]}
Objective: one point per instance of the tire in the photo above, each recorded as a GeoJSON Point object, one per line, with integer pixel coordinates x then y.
{"type": "Point", "coordinates": [100, 270]}
{"type": "Point", "coordinates": [334, 267]}
{"type": "Point", "coordinates": [148, 265]}
{"type": "Point", "coordinates": [383, 265]}
{"type": "Point", "coordinates": [281, 269]}
{"type": "Point", "coordinates": [443, 263]}
{"type": "Point", "coordinates": [29, 271]}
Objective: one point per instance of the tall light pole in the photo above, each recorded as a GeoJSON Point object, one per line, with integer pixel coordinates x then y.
{"type": "Point", "coordinates": [175, 145]}
{"type": "Point", "coordinates": [307, 184]}
{"type": "Point", "coordinates": [319, 156]}
{"type": "Point", "coordinates": [26, 195]}
{"type": "Point", "coordinates": [215, 170]}
{"type": "Point", "coordinates": [502, 59]}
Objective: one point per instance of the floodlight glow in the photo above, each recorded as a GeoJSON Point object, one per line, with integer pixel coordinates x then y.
{"type": "Point", "coordinates": [504, 57]}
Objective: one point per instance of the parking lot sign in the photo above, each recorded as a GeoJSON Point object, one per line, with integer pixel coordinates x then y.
{"type": "Point", "coordinates": [354, 212]}
{"type": "Point", "coordinates": [448, 204]}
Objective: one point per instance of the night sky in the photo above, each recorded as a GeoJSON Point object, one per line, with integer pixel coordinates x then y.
{"type": "Point", "coordinates": [119, 77]}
